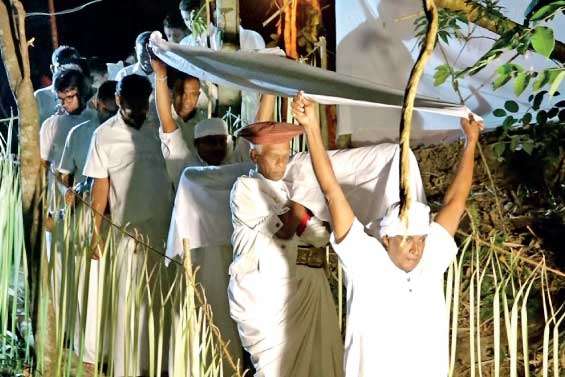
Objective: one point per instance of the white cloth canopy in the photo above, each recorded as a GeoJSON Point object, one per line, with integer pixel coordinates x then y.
{"type": "Point", "coordinates": [265, 72]}
{"type": "Point", "coordinates": [368, 175]}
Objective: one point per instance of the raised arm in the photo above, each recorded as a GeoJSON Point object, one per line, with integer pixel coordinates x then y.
{"type": "Point", "coordinates": [266, 110]}
{"type": "Point", "coordinates": [100, 193]}
{"type": "Point", "coordinates": [340, 211]}
{"type": "Point", "coordinates": [456, 196]}
{"type": "Point", "coordinates": [162, 97]}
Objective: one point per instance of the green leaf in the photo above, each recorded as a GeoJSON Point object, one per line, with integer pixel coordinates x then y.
{"type": "Point", "coordinates": [528, 146]}
{"type": "Point", "coordinates": [541, 117]}
{"type": "Point", "coordinates": [501, 80]}
{"type": "Point", "coordinates": [499, 113]}
{"type": "Point", "coordinates": [526, 119]}
{"type": "Point", "coordinates": [521, 83]}
{"type": "Point", "coordinates": [556, 82]}
{"type": "Point", "coordinates": [499, 149]}
{"type": "Point", "coordinates": [511, 106]}
{"type": "Point", "coordinates": [444, 36]}
{"type": "Point", "coordinates": [543, 41]}
{"type": "Point", "coordinates": [508, 121]}
{"type": "Point", "coordinates": [537, 100]}
{"type": "Point", "coordinates": [542, 79]}
{"type": "Point", "coordinates": [442, 73]}
{"type": "Point", "coordinates": [552, 112]}
{"type": "Point", "coordinates": [514, 141]}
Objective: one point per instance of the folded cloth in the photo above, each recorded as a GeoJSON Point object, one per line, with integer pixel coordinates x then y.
{"type": "Point", "coordinates": [418, 221]}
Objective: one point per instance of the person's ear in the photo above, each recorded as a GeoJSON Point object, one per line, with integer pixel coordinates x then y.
{"type": "Point", "coordinates": [386, 242]}
{"type": "Point", "coordinates": [52, 68]}
{"type": "Point", "coordinates": [118, 100]}
{"type": "Point", "coordinates": [253, 155]}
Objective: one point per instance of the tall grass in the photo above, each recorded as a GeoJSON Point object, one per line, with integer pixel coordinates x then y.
{"type": "Point", "coordinates": [503, 314]}
{"type": "Point", "coordinates": [15, 325]}
{"type": "Point", "coordinates": [498, 308]}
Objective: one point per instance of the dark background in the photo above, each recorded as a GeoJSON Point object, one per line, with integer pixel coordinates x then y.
{"type": "Point", "coordinates": [107, 30]}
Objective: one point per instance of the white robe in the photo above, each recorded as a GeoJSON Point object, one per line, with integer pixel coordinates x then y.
{"type": "Point", "coordinates": [212, 262]}
{"type": "Point", "coordinates": [140, 195]}
{"type": "Point", "coordinates": [285, 313]}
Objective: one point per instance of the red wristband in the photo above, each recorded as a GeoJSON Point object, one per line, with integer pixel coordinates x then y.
{"type": "Point", "coordinates": [303, 223]}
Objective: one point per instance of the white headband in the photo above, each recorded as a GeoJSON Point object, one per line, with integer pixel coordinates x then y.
{"type": "Point", "coordinates": [418, 221]}
{"type": "Point", "coordinates": [210, 127]}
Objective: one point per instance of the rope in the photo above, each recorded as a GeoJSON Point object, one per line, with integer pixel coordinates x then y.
{"type": "Point", "coordinates": [408, 107]}
{"type": "Point", "coordinates": [67, 11]}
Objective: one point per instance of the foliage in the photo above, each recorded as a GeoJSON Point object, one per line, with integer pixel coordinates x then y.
{"type": "Point", "coordinates": [15, 337]}
{"type": "Point", "coordinates": [537, 35]}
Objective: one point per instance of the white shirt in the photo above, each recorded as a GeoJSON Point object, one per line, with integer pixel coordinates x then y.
{"type": "Point", "coordinates": [47, 102]}
{"type": "Point", "coordinates": [54, 131]}
{"type": "Point", "coordinates": [396, 321]}
{"type": "Point", "coordinates": [135, 69]}
{"type": "Point", "coordinates": [140, 190]}
{"type": "Point", "coordinates": [76, 150]}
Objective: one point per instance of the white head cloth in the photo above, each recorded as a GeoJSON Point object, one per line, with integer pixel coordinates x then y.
{"type": "Point", "coordinates": [210, 127]}
{"type": "Point", "coordinates": [418, 221]}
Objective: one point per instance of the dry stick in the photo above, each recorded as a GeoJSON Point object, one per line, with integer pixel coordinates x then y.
{"type": "Point", "coordinates": [408, 107]}
{"type": "Point", "coordinates": [499, 249]}
{"type": "Point", "coordinates": [491, 180]}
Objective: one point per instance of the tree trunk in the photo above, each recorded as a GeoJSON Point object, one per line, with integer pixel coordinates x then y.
{"type": "Point", "coordinates": [14, 49]}
{"type": "Point", "coordinates": [499, 25]}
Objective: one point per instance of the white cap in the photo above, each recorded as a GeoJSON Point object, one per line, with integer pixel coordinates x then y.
{"type": "Point", "coordinates": [210, 127]}
{"type": "Point", "coordinates": [418, 221]}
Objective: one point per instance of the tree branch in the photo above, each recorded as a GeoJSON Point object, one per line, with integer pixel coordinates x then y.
{"type": "Point", "coordinates": [496, 24]}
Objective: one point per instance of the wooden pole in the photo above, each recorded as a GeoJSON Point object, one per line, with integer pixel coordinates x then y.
{"type": "Point", "coordinates": [53, 24]}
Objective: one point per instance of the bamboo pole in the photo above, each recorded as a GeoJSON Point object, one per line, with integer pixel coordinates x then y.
{"type": "Point", "coordinates": [408, 106]}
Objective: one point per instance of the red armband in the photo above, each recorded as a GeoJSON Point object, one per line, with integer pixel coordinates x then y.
{"type": "Point", "coordinates": [303, 222]}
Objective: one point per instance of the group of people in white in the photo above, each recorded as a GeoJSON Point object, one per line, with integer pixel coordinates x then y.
{"type": "Point", "coordinates": [128, 145]}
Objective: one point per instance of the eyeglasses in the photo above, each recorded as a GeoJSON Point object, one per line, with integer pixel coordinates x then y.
{"type": "Point", "coordinates": [68, 97]}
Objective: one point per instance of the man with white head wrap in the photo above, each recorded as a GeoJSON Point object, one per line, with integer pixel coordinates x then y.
{"type": "Point", "coordinates": [396, 317]}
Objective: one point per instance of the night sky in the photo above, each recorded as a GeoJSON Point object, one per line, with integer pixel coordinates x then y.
{"type": "Point", "coordinates": [108, 29]}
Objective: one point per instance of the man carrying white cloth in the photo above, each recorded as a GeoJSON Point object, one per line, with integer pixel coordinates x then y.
{"type": "Point", "coordinates": [396, 318]}
{"type": "Point", "coordinates": [278, 293]}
